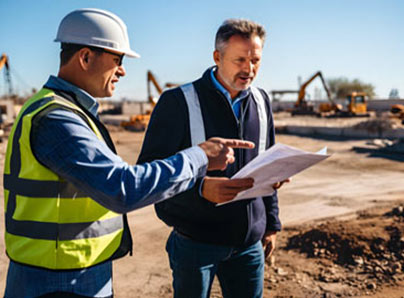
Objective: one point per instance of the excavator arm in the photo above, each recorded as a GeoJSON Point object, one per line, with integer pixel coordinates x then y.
{"type": "Point", "coordinates": [152, 80]}
{"type": "Point", "coordinates": [4, 63]}
{"type": "Point", "coordinates": [139, 122]}
{"type": "Point", "coordinates": [302, 90]}
{"type": "Point", "coordinates": [302, 107]}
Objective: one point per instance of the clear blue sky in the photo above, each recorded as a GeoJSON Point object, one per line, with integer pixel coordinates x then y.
{"type": "Point", "coordinates": [361, 39]}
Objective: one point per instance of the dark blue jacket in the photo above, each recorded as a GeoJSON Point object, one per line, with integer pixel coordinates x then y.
{"type": "Point", "coordinates": [240, 223]}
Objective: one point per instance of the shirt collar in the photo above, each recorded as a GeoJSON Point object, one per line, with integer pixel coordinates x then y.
{"type": "Point", "coordinates": [85, 99]}
{"type": "Point", "coordinates": [226, 93]}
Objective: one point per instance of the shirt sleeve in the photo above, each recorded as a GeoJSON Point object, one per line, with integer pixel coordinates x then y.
{"type": "Point", "coordinates": [64, 143]}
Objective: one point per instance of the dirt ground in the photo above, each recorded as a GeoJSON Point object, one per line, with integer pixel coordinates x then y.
{"type": "Point", "coordinates": [344, 197]}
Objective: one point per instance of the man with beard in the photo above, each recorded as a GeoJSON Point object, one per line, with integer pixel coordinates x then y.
{"type": "Point", "coordinates": [230, 241]}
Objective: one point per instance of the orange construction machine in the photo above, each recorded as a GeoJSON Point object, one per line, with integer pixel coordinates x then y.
{"type": "Point", "coordinates": [139, 122]}
{"type": "Point", "coordinates": [356, 103]}
{"type": "Point", "coordinates": [5, 63]}
{"type": "Point", "coordinates": [303, 107]}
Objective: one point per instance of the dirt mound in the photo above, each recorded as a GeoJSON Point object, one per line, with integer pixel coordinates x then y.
{"type": "Point", "coordinates": [376, 125]}
{"type": "Point", "coordinates": [360, 257]}
{"type": "Point", "coordinates": [372, 245]}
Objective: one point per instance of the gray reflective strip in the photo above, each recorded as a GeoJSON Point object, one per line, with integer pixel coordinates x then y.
{"type": "Point", "coordinates": [196, 126]}
{"type": "Point", "coordinates": [262, 116]}
{"type": "Point", "coordinates": [94, 229]}
{"type": "Point", "coordinates": [65, 231]}
{"type": "Point", "coordinates": [42, 189]}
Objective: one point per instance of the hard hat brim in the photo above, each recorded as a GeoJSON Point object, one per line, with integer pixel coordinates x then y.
{"type": "Point", "coordinates": [132, 54]}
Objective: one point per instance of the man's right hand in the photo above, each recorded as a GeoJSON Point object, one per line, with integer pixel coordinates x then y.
{"type": "Point", "coordinates": [222, 189]}
{"type": "Point", "coordinates": [220, 151]}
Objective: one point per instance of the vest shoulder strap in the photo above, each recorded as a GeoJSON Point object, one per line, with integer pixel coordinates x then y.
{"type": "Point", "coordinates": [263, 118]}
{"type": "Point", "coordinates": [196, 125]}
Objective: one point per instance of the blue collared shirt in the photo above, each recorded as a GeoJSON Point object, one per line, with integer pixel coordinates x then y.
{"type": "Point", "coordinates": [234, 103]}
{"type": "Point", "coordinates": [63, 142]}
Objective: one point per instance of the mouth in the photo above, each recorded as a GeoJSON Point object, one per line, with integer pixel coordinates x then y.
{"type": "Point", "coordinates": [114, 81]}
{"type": "Point", "coordinates": [244, 79]}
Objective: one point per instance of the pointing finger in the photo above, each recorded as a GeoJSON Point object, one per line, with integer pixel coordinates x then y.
{"type": "Point", "coordinates": [234, 143]}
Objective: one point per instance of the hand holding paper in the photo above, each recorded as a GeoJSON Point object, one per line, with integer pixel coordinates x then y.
{"type": "Point", "coordinates": [278, 163]}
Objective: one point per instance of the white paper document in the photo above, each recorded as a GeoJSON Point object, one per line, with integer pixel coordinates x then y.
{"type": "Point", "coordinates": [274, 165]}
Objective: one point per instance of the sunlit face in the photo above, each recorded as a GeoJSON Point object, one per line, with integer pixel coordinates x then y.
{"type": "Point", "coordinates": [105, 70]}
{"type": "Point", "coordinates": [238, 63]}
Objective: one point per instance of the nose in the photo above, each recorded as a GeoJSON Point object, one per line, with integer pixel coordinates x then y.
{"type": "Point", "coordinates": [121, 71]}
{"type": "Point", "coordinates": [248, 67]}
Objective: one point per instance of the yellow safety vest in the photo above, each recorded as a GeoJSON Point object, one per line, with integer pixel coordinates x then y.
{"type": "Point", "coordinates": [49, 222]}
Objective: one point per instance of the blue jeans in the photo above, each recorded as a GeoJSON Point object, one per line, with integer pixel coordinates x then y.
{"type": "Point", "coordinates": [240, 270]}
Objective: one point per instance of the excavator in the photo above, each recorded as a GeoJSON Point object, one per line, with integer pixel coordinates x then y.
{"type": "Point", "coordinates": [139, 122]}
{"type": "Point", "coordinates": [303, 107]}
{"type": "Point", "coordinates": [356, 103]}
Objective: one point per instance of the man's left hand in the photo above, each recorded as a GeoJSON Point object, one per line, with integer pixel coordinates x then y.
{"type": "Point", "coordinates": [268, 243]}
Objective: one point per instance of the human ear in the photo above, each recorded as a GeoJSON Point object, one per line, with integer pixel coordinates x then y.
{"type": "Point", "coordinates": [84, 57]}
{"type": "Point", "coordinates": [216, 57]}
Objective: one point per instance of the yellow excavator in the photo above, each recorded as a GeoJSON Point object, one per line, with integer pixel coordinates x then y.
{"type": "Point", "coordinates": [356, 103]}
{"type": "Point", "coordinates": [139, 122]}
{"type": "Point", "coordinates": [303, 107]}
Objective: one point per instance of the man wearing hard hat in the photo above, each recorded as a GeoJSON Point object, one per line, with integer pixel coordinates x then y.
{"type": "Point", "coordinates": [66, 191]}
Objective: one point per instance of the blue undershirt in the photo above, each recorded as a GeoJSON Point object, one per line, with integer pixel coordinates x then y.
{"type": "Point", "coordinates": [234, 103]}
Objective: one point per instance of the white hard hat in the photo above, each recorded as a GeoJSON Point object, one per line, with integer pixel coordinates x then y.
{"type": "Point", "coordinates": [97, 28]}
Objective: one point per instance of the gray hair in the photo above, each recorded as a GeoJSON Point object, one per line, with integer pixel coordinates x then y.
{"type": "Point", "coordinates": [244, 28]}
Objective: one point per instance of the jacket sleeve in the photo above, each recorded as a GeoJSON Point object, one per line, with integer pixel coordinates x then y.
{"type": "Point", "coordinates": [271, 202]}
{"type": "Point", "coordinates": [64, 143]}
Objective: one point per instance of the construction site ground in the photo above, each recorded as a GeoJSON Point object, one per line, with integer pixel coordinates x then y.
{"type": "Point", "coordinates": [342, 236]}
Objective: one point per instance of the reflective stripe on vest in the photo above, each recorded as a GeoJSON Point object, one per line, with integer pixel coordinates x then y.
{"type": "Point", "coordinates": [49, 222]}
{"type": "Point", "coordinates": [197, 127]}
{"type": "Point", "coordinates": [262, 116]}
